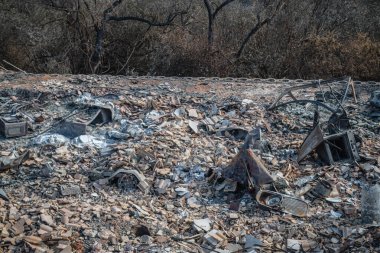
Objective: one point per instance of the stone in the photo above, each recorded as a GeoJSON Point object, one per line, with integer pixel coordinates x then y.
{"type": "Point", "coordinates": [33, 239]}
{"type": "Point", "coordinates": [192, 202]}
{"type": "Point", "coordinates": [146, 239]}
{"type": "Point", "coordinates": [90, 233]}
{"type": "Point", "coordinates": [296, 245]}
{"type": "Point", "coordinates": [202, 224]}
{"type": "Point", "coordinates": [18, 228]}
{"type": "Point", "coordinates": [233, 216]}
{"type": "Point", "coordinates": [105, 234]}
{"type": "Point", "coordinates": [251, 241]}
{"type": "Point", "coordinates": [68, 190]}
{"type": "Point", "coordinates": [234, 247]}
{"type": "Point", "coordinates": [162, 185]}
{"type": "Point", "coordinates": [46, 218]}
{"type": "Point", "coordinates": [192, 113]}
{"type": "Point", "coordinates": [215, 237]}
{"type": "Point", "coordinates": [161, 239]}
{"type": "Point", "coordinates": [194, 126]}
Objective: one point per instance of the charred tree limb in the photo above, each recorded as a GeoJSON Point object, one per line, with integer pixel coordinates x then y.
{"type": "Point", "coordinates": [100, 29]}
{"type": "Point", "coordinates": [95, 59]}
{"type": "Point", "coordinates": [168, 21]}
{"type": "Point", "coordinates": [210, 22]}
{"type": "Point", "coordinates": [258, 26]}
{"type": "Point", "coordinates": [212, 16]}
{"type": "Point", "coordinates": [220, 7]}
{"type": "Point", "coordinates": [254, 30]}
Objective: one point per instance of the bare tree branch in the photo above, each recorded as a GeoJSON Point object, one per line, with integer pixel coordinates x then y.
{"type": "Point", "coordinates": [100, 29]}
{"type": "Point", "coordinates": [211, 17]}
{"type": "Point", "coordinates": [168, 21]}
{"type": "Point", "coordinates": [220, 7]}
{"type": "Point", "coordinates": [258, 26]}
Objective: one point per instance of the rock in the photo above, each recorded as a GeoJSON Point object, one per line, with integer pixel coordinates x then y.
{"type": "Point", "coordinates": [194, 126]}
{"type": "Point", "coordinates": [146, 239]}
{"type": "Point", "coordinates": [296, 245]}
{"type": "Point", "coordinates": [181, 191]}
{"type": "Point", "coordinates": [18, 228]}
{"type": "Point", "coordinates": [33, 239]}
{"type": "Point", "coordinates": [233, 216]}
{"type": "Point", "coordinates": [47, 219]}
{"type": "Point", "coordinates": [4, 232]}
{"type": "Point", "coordinates": [90, 233]}
{"type": "Point", "coordinates": [192, 113]}
{"type": "Point", "coordinates": [161, 239]}
{"type": "Point", "coordinates": [202, 224]}
{"type": "Point", "coordinates": [192, 202]}
{"type": "Point", "coordinates": [105, 234]}
{"type": "Point", "coordinates": [215, 237]}
{"type": "Point", "coordinates": [46, 228]}
{"type": "Point", "coordinates": [251, 241]}
{"type": "Point", "coordinates": [68, 190]}
{"type": "Point", "coordinates": [234, 248]}
{"type": "Point", "coordinates": [162, 185]}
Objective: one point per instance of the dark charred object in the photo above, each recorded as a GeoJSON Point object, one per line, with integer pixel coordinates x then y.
{"type": "Point", "coordinates": [282, 203]}
{"type": "Point", "coordinates": [102, 116]}
{"type": "Point", "coordinates": [312, 141]}
{"type": "Point", "coordinates": [322, 189]}
{"type": "Point", "coordinates": [11, 126]}
{"type": "Point", "coordinates": [339, 148]}
{"type": "Point", "coordinates": [71, 129]}
{"type": "Point", "coordinates": [338, 122]}
{"type": "Point", "coordinates": [235, 133]}
{"type": "Point", "coordinates": [315, 84]}
{"type": "Point", "coordinates": [246, 168]}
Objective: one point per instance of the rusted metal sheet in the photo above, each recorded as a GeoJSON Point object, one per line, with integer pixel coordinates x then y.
{"type": "Point", "coordinates": [246, 166]}
{"type": "Point", "coordinates": [71, 129]}
{"type": "Point", "coordinates": [103, 115]}
{"type": "Point", "coordinates": [312, 141]}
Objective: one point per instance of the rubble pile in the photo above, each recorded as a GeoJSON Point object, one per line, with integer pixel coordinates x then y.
{"type": "Point", "coordinates": [116, 164]}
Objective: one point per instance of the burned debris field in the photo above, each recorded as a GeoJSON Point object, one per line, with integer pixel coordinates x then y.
{"type": "Point", "coordinates": [92, 163]}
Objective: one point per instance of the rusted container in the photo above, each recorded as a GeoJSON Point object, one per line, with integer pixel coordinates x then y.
{"type": "Point", "coordinates": [11, 126]}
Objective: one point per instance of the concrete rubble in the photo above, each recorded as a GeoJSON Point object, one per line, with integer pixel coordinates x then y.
{"type": "Point", "coordinates": [121, 164]}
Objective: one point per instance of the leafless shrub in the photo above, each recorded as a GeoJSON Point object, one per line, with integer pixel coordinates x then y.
{"type": "Point", "coordinates": [256, 38]}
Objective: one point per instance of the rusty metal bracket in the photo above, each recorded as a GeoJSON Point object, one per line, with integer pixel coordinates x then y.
{"type": "Point", "coordinates": [312, 141]}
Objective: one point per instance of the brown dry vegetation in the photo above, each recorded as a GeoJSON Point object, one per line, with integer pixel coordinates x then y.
{"type": "Point", "coordinates": [293, 39]}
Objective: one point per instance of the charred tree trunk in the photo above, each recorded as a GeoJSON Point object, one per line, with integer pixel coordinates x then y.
{"type": "Point", "coordinates": [96, 57]}
{"type": "Point", "coordinates": [212, 16]}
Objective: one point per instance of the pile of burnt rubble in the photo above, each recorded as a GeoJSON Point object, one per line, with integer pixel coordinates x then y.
{"type": "Point", "coordinates": [160, 168]}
